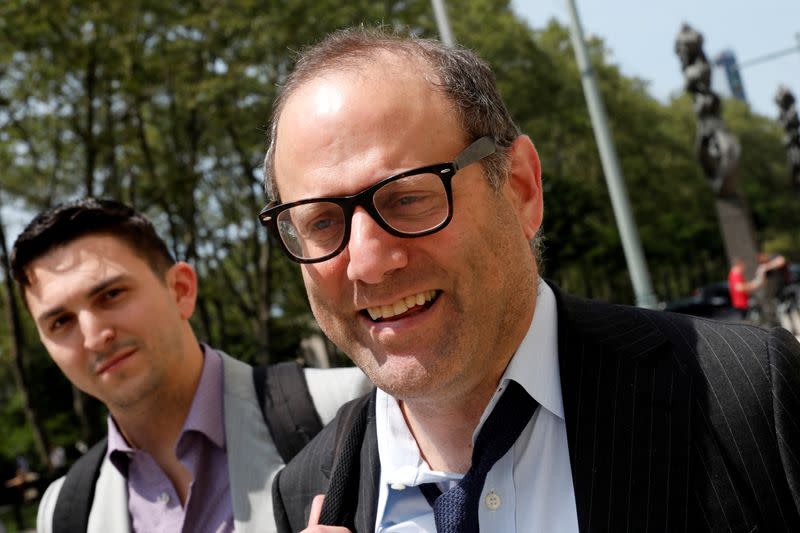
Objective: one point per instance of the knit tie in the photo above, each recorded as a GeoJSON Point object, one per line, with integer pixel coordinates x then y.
{"type": "Point", "coordinates": [456, 510]}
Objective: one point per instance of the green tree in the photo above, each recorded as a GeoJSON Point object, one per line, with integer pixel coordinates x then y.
{"type": "Point", "coordinates": [164, 105]}
{"type": "Point", "coordinates": [16, 349]}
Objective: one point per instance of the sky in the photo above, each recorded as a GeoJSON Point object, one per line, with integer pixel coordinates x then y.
{"type": "Point", "coordinates": [640, 35]}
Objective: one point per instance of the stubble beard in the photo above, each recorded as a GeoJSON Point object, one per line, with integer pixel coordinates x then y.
{"type": "Point", "coordinates": [139, 388]}
{"type": "Point", "coordinates": [137, 391]}
{"type": "Point", "coordinates": [423, 366]}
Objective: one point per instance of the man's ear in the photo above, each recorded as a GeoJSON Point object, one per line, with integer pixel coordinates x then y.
{"type": "Point", "coordinates": [523, 187]}
{"type": "Point", "coordinates": [182, 283]}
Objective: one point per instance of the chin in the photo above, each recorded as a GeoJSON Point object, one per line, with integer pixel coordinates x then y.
{"type": "Point", "coordinates": [132, 393]}
{"type": "Point", "coordinates": [401, 377]}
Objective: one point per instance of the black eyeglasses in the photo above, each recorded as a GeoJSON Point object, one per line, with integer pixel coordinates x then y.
{"type": "Point", "coordinates": [414, 203]}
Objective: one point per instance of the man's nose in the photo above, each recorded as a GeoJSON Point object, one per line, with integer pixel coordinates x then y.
{"type": "Point", "coordinates": [373, 252]}
{"type": "Point", "coordinates": [97, 332]}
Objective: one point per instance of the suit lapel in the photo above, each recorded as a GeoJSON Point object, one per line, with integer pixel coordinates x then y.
{"type": "Point", "coordinates": [623, 397]}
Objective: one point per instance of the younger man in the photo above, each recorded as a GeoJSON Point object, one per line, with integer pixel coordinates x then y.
{"type": "Point", "coordinates": [188, 448]}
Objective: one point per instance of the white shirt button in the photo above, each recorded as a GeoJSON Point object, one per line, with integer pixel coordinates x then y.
{"type": "Point", "coordinates": [163, 498]}
{"type": "Point", "coordinates": [492, 501]}
{"type": "Point", "coordinates": [397, 486]}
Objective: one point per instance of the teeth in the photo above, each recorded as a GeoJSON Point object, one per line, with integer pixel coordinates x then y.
{"type": "Point", "coordinates": [400, 306]}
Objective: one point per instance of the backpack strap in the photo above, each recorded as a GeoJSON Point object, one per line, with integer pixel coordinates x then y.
{"type": "Point", "coordinates": [286, 404]}
{"type": "Point", "coordinates": [341, 500]}
{"type": "Point", "coordinates": [71, 513]}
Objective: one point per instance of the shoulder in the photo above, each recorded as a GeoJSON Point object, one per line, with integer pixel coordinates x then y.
{"type": "Point", "coordinates": [329, 388]}
{"type": "Point", "coordinates": [309, 473]}
{"type": "Point", "coordinates": [728, 357]}
{"type": "Point", "coordinates": [316, 459]}
{"type": "Point", "coordinates": [92, 495]}
{"type": "Point", "coordinates": [731, 355]}
{"type": "Point", "coordinates": [305, 476]}
{"type": "Point", "coordinates": [623, 327]}
{"type": "Point", "coordinates": [310, 468]}
{"type": "Point", "coordinates": [784, 374]}
{"type": "Point", "coordinates": [741, 372]}
{"type": "Point", "coordinates": [237, 377]}
{"type": "Point", "coordinates": [47, 505]}
{"type": "Point", "coordinates": [728, 348]}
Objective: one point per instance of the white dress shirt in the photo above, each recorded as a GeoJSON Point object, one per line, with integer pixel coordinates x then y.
{"type": "Point", "coordinates": [529, 489]}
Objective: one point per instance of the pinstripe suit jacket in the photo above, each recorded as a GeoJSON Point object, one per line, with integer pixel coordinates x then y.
{"type": "Point", "coordinates": [674, 424]}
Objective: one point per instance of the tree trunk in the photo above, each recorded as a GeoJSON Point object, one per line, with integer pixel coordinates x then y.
{"type": "Point", "coordinates": [264, 303]}
{"type": "Point", "coordinates": [17, 349]}
{"type": "Point", "coordinates": [262, 255]}
{"type": "Point", "coordinates": [89, 139]}
{"type": "Point", "coordinates": [113, 184]}
{"type": "Point", "coordinates": [79, 406]}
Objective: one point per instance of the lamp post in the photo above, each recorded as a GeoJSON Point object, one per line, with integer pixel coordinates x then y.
{"type": "Point", "coordinates": [631, 245]}
{"type": "Point", "coordinates": [442, 22]}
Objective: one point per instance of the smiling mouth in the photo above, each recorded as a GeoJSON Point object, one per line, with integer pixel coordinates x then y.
{"type": "Point", "coordinates": [403, 306]}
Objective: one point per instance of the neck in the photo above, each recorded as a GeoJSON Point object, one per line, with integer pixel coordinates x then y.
{"type": "Point", "coordinates": [154, 429]}
{"type": "Point", "coordinates": [443, 429]}
{"type": "Point", "coordinates": [155, 423]}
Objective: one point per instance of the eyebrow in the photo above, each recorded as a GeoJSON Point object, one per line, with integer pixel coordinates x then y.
{"type": "Point", "coordinates": [94, 290]}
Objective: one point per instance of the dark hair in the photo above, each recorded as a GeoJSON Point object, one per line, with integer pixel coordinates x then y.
{"type": "Point", "coordinates": [466, 80]}
{"type": "Point", "coordinates": [64, 223]}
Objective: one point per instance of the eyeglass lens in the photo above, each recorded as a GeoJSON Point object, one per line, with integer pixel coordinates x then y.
{"type": "Point", "coordinates": [410, 205]}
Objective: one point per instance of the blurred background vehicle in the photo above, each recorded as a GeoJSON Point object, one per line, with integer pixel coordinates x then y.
{"type": "Point", "coordinates": [710, 301]}
{"type": "Point", "coordinates": [794, 274]}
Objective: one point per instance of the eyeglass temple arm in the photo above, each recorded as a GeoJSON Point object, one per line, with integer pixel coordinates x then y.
{"type": "Point", "coordinates": [483, 147]}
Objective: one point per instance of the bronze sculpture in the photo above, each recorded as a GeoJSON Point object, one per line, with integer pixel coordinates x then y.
{"type": "Point", "coordinates": [791, 126]}
{"type": "Point", "coordinates": [716, 148]}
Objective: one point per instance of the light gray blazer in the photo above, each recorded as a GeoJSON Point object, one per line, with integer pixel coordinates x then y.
{"type": "Point", "coordinates": [253, 459]}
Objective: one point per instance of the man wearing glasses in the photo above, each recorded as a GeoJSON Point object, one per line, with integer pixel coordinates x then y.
{"type": "Point", "coordinates": [414, 205]}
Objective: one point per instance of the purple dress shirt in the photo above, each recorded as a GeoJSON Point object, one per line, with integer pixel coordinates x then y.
{"type": "Point", "coordinates": [153, 502]}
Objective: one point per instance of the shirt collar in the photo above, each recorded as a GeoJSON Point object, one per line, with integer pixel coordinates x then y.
{"type": "Point", "coordinates": [205, 415]}
{"type": "Point", "coordinates": [535, 364]}
{"type": "Point", "coordinates": [118, 447]}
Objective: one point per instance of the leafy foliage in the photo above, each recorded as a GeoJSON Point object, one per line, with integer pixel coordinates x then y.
{"type": "Point", "coordinates": [163, 105]}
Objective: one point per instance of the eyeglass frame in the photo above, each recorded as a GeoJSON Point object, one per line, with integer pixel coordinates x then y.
{"type": "Point", "coordinates": [479, 149]}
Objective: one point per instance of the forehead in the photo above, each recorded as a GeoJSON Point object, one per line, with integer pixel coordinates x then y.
{"type": "Point", "coordinates": [386, 74]}
{"type": "Point", "coordinates": [370, 121]}
{"type": "Point", "coordinates": [80, 263]}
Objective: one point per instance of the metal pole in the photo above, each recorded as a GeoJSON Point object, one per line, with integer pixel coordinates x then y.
{"type": "Point", "coordinates": [442, 22]}
{"type": "Point", "coordinates": [642, 286]}
{"type": "Point", "coordinates": [769, 57]}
